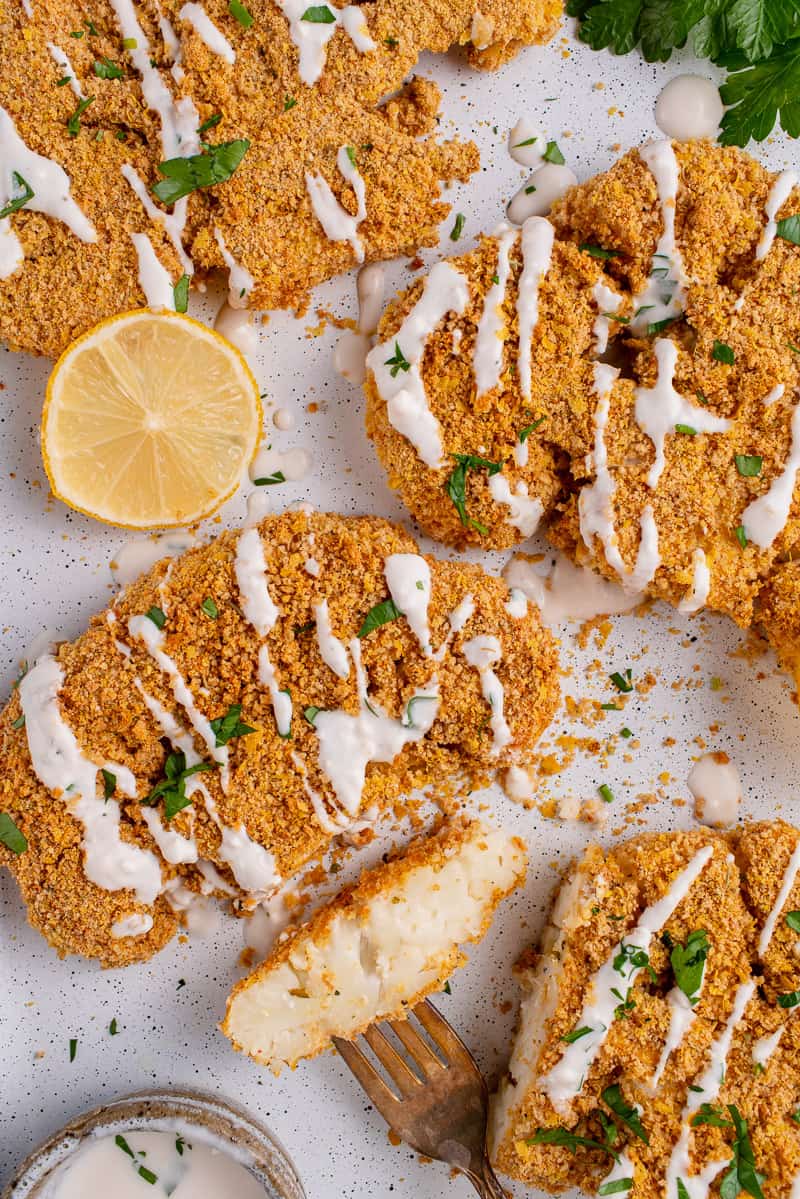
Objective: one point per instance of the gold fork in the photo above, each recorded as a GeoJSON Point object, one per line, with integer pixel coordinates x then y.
{"type": "Point", "coordinates": [438, 1108]}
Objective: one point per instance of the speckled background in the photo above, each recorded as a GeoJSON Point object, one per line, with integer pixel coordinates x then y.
{"type": "Point", "coordinates": [55, 574]}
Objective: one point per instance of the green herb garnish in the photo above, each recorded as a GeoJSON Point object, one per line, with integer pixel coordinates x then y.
{"type": "Point", "coordinates": [73, 1048]}
{"type": "Point", "coordinates": [789, 229]}
{"type": "Point", "coordinates": [597, 251]}
{"type": "Point", "coordinates": [240, 13]}
{"type": "Point", "coordinates": [10, 835]}
{"type": "Point", "coordinates": [311, 713]}
{"type": "Point", "coordinates": [112, 1028]}
{"type": "Point", "coordinates": [791, 999]}
{"type": "Point", "coordinates": [182, 176]}
{"type": "Point", "coordinates": [458, 226]}
{"type": "Point", "coordinates": [147, 1175]}
{"type": "Point", "coordinates": [210, 608]}
{"type": "Point", "coordinates": [398, 361]}
{"type": "Point", "coordinates": [525, 433]}
{"type": "Point", "coordinates": [622, 682]}
{"type": "Point", "coordinates": [793, 921]}
{"type": "Point", "coordinates": [456, 486]}
{"type": "Point", "coordinates": [567, 1140]}
{"type": "Point", "coordinates": [319, 14]}
{"type": "Point", "coordinates": [104, 68]}
{"type": "Point", "coordinates": [181, 293]}
{"type": "Point", "coordinates": [742, 1174]}
{"type": "Point", "coordinates": [74, 122]}
{"type": "Point", "coordinates": [616, 1187]}
{"type": "Point", "coordinates": [122, 1144]}
{"type": "Point", "coordinates": [687, 429]}
{"type": "Point", "coordinates": [109, 783]}
{"type": "Point", "coordinates": [576, 1034]}
{"type": "Point", "coordinates": [18, 201]}
{"type": "Point", "coordinates": [723, 353]}
{"type": "Point", "coordinates": [270, 480]}
{"type": "Point", "coordinates": [553, 154]}
{"type": "Point", "coordinates": [173, 785]}
{"type": "Point", "coordinates": [689, 962]}
{"type": "Point", "coordinates": [740, 536]}
{"type": "Point", "coordinates": [210, 123]}
{"type": "Point", "coordinates": [19, 723]}
{"type": "Point", "coordinates": [157, 616]}
{"type": "Point", "coordinates": [748, 465]}
{"type": "Point", "coordinates": [288, 102]}
{"type": "Point", "coordinates": [613, 1098]}
{"type": "Point", "coordinates": [606, 794]}
{"type": "Point", "coordinates": [226, 727]}
{"type": "Point", "coordinates": [379, 614]}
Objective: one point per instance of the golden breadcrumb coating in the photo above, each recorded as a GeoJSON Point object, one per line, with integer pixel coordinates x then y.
{"type": "Point", "coordinates": [102, 701]}
{"type": "Point", "coordinates": [731, 900]}
{"type": "Point", "coordinates": [732, 300]}
{"type": "Point", "coordinates": [264, 212]}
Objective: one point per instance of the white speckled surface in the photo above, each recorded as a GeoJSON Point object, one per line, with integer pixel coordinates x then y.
{"type": "Point", "coordinates": [55, 574]}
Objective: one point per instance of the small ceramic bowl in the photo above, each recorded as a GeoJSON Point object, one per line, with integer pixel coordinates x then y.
{"type": "Point", "coordinates": [215, 1120]}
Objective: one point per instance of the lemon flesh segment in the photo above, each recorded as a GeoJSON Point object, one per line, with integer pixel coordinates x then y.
{"type": "Point", "coordinates": [151, 419]}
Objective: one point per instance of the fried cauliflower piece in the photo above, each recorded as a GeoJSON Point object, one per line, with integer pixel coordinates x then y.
{"type": "Point", "coordinates": [377, 948]}
{"type": "Point", "coordinates": [293, 717]}
{"type": "Point", "coordinates": [657, 1021]}
{"type": "Point", "coordinates": [297, 114]}
{"type": "Point", "coordinates": [653, 426]}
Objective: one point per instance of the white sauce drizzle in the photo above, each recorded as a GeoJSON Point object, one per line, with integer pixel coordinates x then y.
{"type": "Point", "coordinates": [408, 578]}
{"type": "Point", "coordinates": [538, 195]}
{"type": "Point", "coordinates": [461, 614]}
{"type": "Point", "coordinates": [537, 247]}
{"type": "Point", "coordinates": [207, 31]}
{"type": "Point", "coordinates": [482, 653]}
{"type": "Point", "coordinates": [138, 555]}
{"type": "Point", "coordinates": [701, 584]}
{"type": "Point", "coordinates": [51, 194]}
{"type": "Point", "coordinates": [173, 47]}
{"type": "Point", "coordinates": [660, 408]}
{"type": "Point", "coordinates": [717, 789]}
{"type": "Point", "coordinates": [311, 38]}
{"type": "Point", "coordinates": [172, 845]}
{"type": "Point", "coordinates": [487, 359]}
{"type": "Point", "coordinates": [681, 1018]}
{"type": "Point", "coordinates": [565, 1079]}
{"type": "Point", "coordinates": [350, 355]}
{"type": "Point", "coordinates": [766, 517]}
{"type": "Point", "coordinates": [154, 278]}
{"type": "Point", "coordinates": [333, 651]}
{"type": "Point", "coordinates": [238, 326]}
{"type": "Point", "coordinates": [789, 878]}
{"type": "Point", "coordinates": [776, 393]}
{"type": "Point", "coordinates": [172, 222]}
{"type": "Point", "coordinates": [569, 592]}
{"type": "Point", "coordinates": [523, 133]}
{"type": "Point", "coordinates": [312, 567]}
{"type": "Point", "coordinates": [665, 292]}
{"type": "Point", "coordinates": [240, 281]}
{"type": "Point", "coordinates": [338, 223]}
{"type": "Point", "coordinates": [517, 604]}
{"type": "Point", "coordinates": [780, 191]}
{"type": "Point", "coordinates": [59, 763]}
{"type": "Point", "coordinates": [61, 59]}
{"type": "Point", "coordinates": [251, 577]}
{"type": "Point", "coordinates": [135, 925]}
{"type": "Point", "coordinates": [607, 301]}
{"type": "Point", "coordinates": [293, 463]}
{"type": "Point", "coordinates": [524, 512]}
{"type": "Point", "coordinates": [445, 290]}
{"type": "Point", "coordinates": [764, 1047]}
{"type": "Point", "coordinates": [689, 107]}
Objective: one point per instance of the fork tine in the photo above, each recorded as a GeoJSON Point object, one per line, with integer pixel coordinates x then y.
{"type": "Point", "coordinates": [366, 1074]}
{"type": "Point", "coordinates": [400, 1073]}
{"type": "Point", "coordinates": [418, 1050]}
{"type": "Point", "coordinates": [441, 1032]}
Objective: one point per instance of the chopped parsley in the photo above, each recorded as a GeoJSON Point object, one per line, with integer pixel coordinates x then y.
{"type": "Point", "coordinates": [147, 1175]}
{"type": "Point", "coordinates": [73, 1048]}
{"type": "Point", "coordinates": [74, 122]}
{"type": "Point", "coordinates": [19, 723]}
{"type": "Point", "coordinates": [240, 13]}
{"type": "Point", "coordinates": [109, 783]}
{"type": "Point", "coordinates": [112, 1028]}
{"type": "Point", "coordinates": [723, 353]}
{"type": "Point", "coordinates": [129, 43]}
{"type": "Point", "coordinates": [789, 229]}
{"type": "Point", "coordinates": [21, 200]}
{"type": "Point", "coordinates": [626, 733]}
{"type": "Point", "coordinates": [288, 102]}
{"type": "Point", "coordinates": [63, 81]}
{"type": "Point", "coordinates": [659, 326]}
{"type": "Point", "coordinates": [226, 727]}
{"type": "Point", "coordinates": [748, 465]}
{"type": "Point", "coordinates": [687, 429]}
{"type": "Point", "coordinates": [528, 142]}
{"type": "Point", "coordinates": [173, 785]}
{"type": "Point", "coordinates": [615, 1100]}
{"type": "Point", "coordinates": [606, 794]}
{"type": "Point", "coordinates": [185, 175]}
{"type": "Point", "coordinates": [122, 1144]}
{"type": "Point", "coordinates": [622, 683]}
{"type": "Point", "coordinates": [270, 480]}
{"type": "Point", "coordinates": [104, 68]}
{"type": "Point", "coordinates": [576, 1034]}
{"type": "Point", "coordinates": [10, 835]}
{"type": "Point", "coordinates": [391, 42]}
{"type": "Point", "coordinates": [597, 251]}
{"type": "Point", "coordinates": [456, 486]}
{"type": "Point", "coordinates": [398, 361]}
{"type": "Point", "coordinates": [625, 1006]}
{"type": "Point", "coordinates": [157, 616]}
{"type": "Point", "coordinates": [379, 614]}
{"type": "Point", "coordinates": [525, 433]}
{"type": "Point", "coordinates": [210, 123]}
{"type": "Point", "coordinates": [713, 1116]}
{"type": "Point", "coordinates": [616, 1187]}
{"type": "Point", "coordinates": [740, 536]}
{"type": "Point", "coordinates": [210, 608]}
{"type": "Point", "coordinates": [311, 713]}
{"type": "Point", "coordinates": [742, 1174]}
{"type": "Point", "coordinates": [791, 999]}
{"type": "Point", "coordinates": [350, 151]}
{"type": "Point", "coordinates": [566, 1139]}
{"type": "Point", "coordinates": [319, 14]}
{"type": "Point", "coordinates": [553, 154]}
{"type": "Point", "coordinates": [458, 226]}
{"type": "Point", "coordinates": [689, 962]}
{"type": "Point", "coordinates": [448, 990]}
{"type": "Point", "coordinates": [793, 921]}
{"type": "Point", "coordinates": [631, 958]}
{"type": "Point", "coordinates": [181, 293]}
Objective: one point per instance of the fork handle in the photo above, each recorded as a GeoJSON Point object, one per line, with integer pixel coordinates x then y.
{"type": "Point", "coordinates": [486, 1183]}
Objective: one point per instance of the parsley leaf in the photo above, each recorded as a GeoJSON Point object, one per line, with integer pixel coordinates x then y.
{"type": "Point", "coordinates": [226, 727]}
{"type": "Point", "coordinates": [319, 14]}
{"type": "Point", "coordinates": [173, 785]}
{"type": "Point", "coordinates": [270, 480]}
{"type": "Point", "coordinates": [210, 608]}
{"type": "Point", "coordinates": [74, 122]}
{"type": "Point", "coordinates": [109, 783]}
{"type": "Point", "coordinates": [18, 201]}
{"type": "Point", "coordinates": [689, 962]}
{"type": "Point", "coordinates": [757, 94]}
{"type": "Point", "coordinates": [181, 293]}
{"type": "Point", "coordinates": [613, 1098]}
{"type": "Point", "coordinates": [748, 465]}
{"type": "Point", "coordinates": [240, 13]}
{"type": "Point", "coordinates": [598, 251]}
{"type": "Point", "coordinates": [379, 614]}
{"type": "Point", "coordinates": [567, 1139]}
{"type": "Point", "coordinates": [713, 1116]}
{"type": "Point", "coordinates": [525, 433]}
{"type": "Point", "coordinates": [210, 123]}
{"type": "Point", "coordinates": [723, 353]}
{"type": "Point", "coordinates": [793, 921]}
{"type": "Point", "coordinates": [10, 835]}
{"type": "Point", "coordinates": [789, 1000]}
{"type": "Point", "coordinates": [311, 713]}
{"type": "Point", "coordinates": [553, 154]}
{"type": "Point", "coordinates": [398, 361]}
{"type": "Point", "coordinates": [576, 1034]}
{"type": "Point", "coordinates": [456, 485]}
{"type": "Point", "coordinates": [157, 616]}
{"type": "Point", "coordinates": [742, 1174]}
{"type": "Point", "coordinates": [185, 175]}
{"type": "Point", "coordinates": [458, 227]}
{"type": "Point", "coordinates": [789, 229]}
{"type": "Point", "coordinates": [104, 68]}
{"type": "Point", "coordinates": [615, 1187]}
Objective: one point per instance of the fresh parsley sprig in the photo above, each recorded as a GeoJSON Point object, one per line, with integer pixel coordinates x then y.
{"type": "Point", "coordinates": [173, 785]}
{"type": "Point", "coordinates": [689, 962]}
{"type": "Point", "coordinates": [182, 176]}
{"type": "Point", "coordinates": [456, 486]}
{"type": "Point", "coordinates": [226, 727]}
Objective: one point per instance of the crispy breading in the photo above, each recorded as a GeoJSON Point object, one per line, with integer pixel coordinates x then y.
{"type": "Point", "coordinates": [732, 298]}
{"type": "Point", "coordinates": [264, 212]}
{"type": "Point", "coordinates": [602, 901]}
{"type": "Point", "coordinates": [102, 702]}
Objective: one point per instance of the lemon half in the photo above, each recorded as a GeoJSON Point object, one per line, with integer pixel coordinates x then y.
{"type": "Point", "coordinates": [150, 419]}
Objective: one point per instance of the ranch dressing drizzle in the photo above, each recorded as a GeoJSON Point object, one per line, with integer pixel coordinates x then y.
{"type": "Point", "coordinates": [251, 576]}
{"type": "Point", "coordinates": [564, 1081]}
{"type": "Point", "coordinates": [347, 744]}
{"type": "Point", "coordinates": [524, 512]}
{"type": "Point", "coordinates": [172, 222]}
{"type": "Point", "coordinates": [338, 223]}
{"type": "Point", "coordinates": [333, 651]}
{"type": "Point", "coordinates": [537, 248]}
{"type": "Point", "coordinates": [517, 604]}
{"type": "Point", "coordinates": [172, 845]}
{"type": "Point", "coordinates": [787, 884]}
{"type": "Point", "coordinates": [665, 293]}
{"type": "Point", "coordinates": [487, 359]}
{"type": "Point", "coordinates": [51, 193]}
{"type": "Point", "coordinates": [536, 197]}
{"type": "Point", "coordinates": [350, 355]}
{"type": "Point", "coordinates": [207, 31]}
{"type": "Point", "coordinates": [61, 59]}
{"type": "Point", "coordinates": [766, 517]}
{"type": "Point", "coordinates": [482, 653]}
{"type": "Point", "coordinates": [61, 766]}
{"type": "Point", "coordinates": [311, 37]}
{"type": "Point", "coordinates": [172, 45]}
{"type": "Point", "coordinates": [408, 578]}
{"type": "Point", "coordinates": [154, 279]}
{"type": "Point", "coordinates": [715, 784]}
{"type": "Point", "coordinates": [445, 290]}
{"type": "Point", "coordinates": [681, 1018]}
{"type": "Point", "coordinates": [701, 584]}
{"type": "Point", "coordinates": [240, 281]}
{"type": "Point", "coordinates": [329, 822]}
{"type": "Point", "coordinates": [526, 144]}
{"type": "Point", "coordinates": [780, 191]}
{"type": "Point", "coordinates": [568, 592]}
{"type": "Point", "coordinates": [607, 301]}
{"type": "Point", "coordinates": [660, 408]}
{"type": "Point", "coordinates": [764, 1047]}
{"type": "Point", "coordinates": [776, 393]}
{"type": "Point", "coordinates": [135, 925]}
